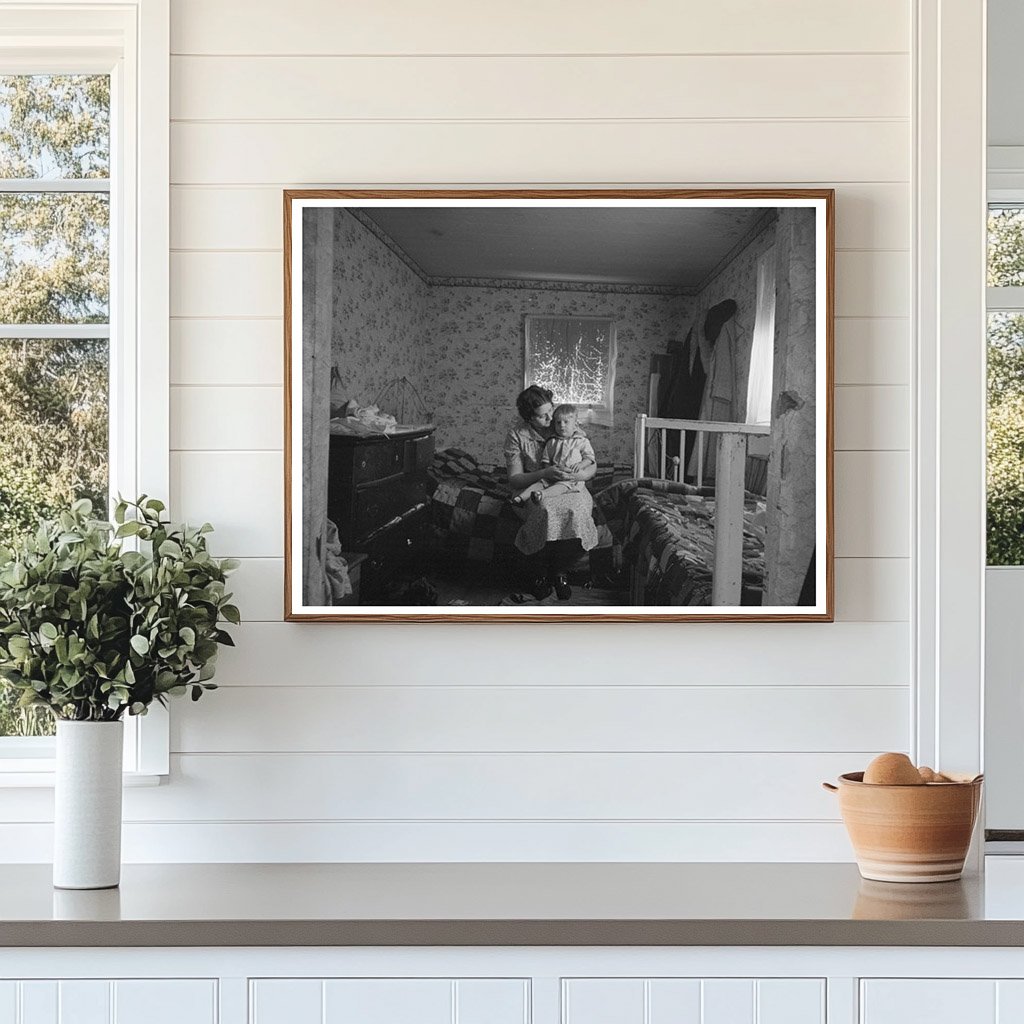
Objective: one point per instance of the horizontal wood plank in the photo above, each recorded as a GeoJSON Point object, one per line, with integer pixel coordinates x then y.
{"type": "Point", "coordinates": [159, 842]}
{"type": "Point", "coordinates": [730, 153]}
{"type": "Point", "coordinates": [872, 350]}
{"type": "Point", "coordinates": [239, 492]}
{"type": "Point", "coordinates": [578, 718]}
{"type": "Point", "coordinates": [872, 504]}
{"type": "Point", "coordinates": [872, 418]}
{"type": "Point", "coordinates": [868, 216]}
{"type": "Point", "coordinates": [748, 654]}
{"type": "Point", "coordinates": [867, 589]}
{"type": "Point", "coordinates": [533, 26]}
{"type": "Point", "coordinates": [237, 88]}
{"type": "Point", "coordinates": [872, 283]}
{"type": "Point", "coordinates": [377, 787]}
{"type": "Point", "coordinates": [873, 589]}
{"type": "Point", "coordinates": [232, 418]}
{"type": "Point", "coordinates": [234, 284]}
{"type": "Point", "coordinates": [247, 353]}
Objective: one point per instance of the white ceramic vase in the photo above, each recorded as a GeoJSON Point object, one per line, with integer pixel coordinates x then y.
{"type": "Point", "coordinates": [87, 805]}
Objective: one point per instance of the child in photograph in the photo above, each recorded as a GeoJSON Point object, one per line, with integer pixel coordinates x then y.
{"type": "Point", "coordinates": [568, 449]}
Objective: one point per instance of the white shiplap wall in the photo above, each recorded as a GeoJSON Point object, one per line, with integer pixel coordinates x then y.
{"type": "Point", "coordinates": [662, 741]}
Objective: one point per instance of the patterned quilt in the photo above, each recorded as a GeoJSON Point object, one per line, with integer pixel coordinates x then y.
{"type": "Point", "coordinates": [669, 539]}
{"type": "Point", "coordinates": [473, 519]}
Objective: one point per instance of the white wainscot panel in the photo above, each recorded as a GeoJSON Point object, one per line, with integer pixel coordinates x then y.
{"type": "Point", "coordinates": [937, 1001]}
{"type": "Point", "coordinates": [872, 283]}
{"type": "Point", "coordinates": [389, 1001]}
{"type": "Point", "coordinates": [405, 27]}
{"type": "Point", "coordinates": [236, 352]}
{"type": "Point", "coordinates": [448, 787]}
{"type": "Point", "coordinates": [546, 718]}
{"type": "Point", "coordinates": [871, 418]}
{"type": "Point", "coordinates": [241, 493]}
{"type": "Point", "coordinates": [802, 654]}
{"type": "Point", "coordinates": [872, 350]}
{"type": "Point", "coordinates": [227, 418]}
{"type": "Point", "coordinates": [868, 216]}
{"type": "Point", "coordinates": [539, 87]}
{"type": "Point", "coordinates": [872, 504]}
{"type": "Point", "coordinates": [693, 1001]}
{"type": "Point", "coordinates": [144, 1001]}
{"type": "Point", "coordinates": [728, 152]}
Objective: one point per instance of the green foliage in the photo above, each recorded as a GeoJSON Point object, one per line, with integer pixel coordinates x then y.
{"type": "Point", "coordinates": [54, 268]}
{"type": "Point", "coordinates": [1006, 482]}
{"type": "Point", "coordinates": [91, 630]}
{"type": "Point", "coordinates": [1005, 247]}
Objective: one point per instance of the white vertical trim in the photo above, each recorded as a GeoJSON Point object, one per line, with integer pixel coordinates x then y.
{"type": "Point", "coordinates": [140, 242]}
{"type": "Point", "coordinates": [950, 441]}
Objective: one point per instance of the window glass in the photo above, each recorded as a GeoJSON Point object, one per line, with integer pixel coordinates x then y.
{"type": "Point", "coordinates": [575, 358]}
{"type": "Point", "coordinates": [1005, 485]}
{"type": "Point", "coordinates": [54, 257]}
{"type": "Point", "coordinates": [1005, 246]}
{"type": "Point", "coordinates": [54, 127]}
{"type": "Point", "coordinates": [54, 279]}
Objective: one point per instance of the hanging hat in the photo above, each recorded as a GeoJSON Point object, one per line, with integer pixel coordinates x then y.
{"type": "Point", "coordinates": [717, 316]}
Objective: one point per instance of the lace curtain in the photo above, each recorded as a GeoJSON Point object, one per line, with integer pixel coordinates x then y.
{"type": "Point", "coordinates": [575, 358]}
{"type": "Point", "coordinates": [762, 349]}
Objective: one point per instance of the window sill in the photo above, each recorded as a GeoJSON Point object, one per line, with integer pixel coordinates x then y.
{"type": "Point", "coordinates": [45, 778]}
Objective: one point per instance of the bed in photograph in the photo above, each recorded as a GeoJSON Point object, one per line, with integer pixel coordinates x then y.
{"type": "Point", "coordinates": [474, 520]}
{"type": "Point", "coordinates": [658, 530]}
{"type": "Point", "coordinates": [668, 541]}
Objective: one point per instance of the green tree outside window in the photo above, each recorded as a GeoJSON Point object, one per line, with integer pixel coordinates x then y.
{"type": "Point", "coordinates": [54, 278]}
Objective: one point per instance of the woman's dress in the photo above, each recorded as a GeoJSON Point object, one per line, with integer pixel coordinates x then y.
{"type": "Point", "coordinates": [568, 516]}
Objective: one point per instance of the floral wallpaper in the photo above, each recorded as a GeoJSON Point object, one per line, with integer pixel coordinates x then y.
{"type": "Point", "coordinates": [380, 314]}
{"type": "Point", "coordinates": [461, 344]}
{"type": "Point", "coordinates": [473, 368]}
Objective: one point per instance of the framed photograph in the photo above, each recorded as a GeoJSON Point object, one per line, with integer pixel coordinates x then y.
{"type": "Point", "coordinates": [512, 406]}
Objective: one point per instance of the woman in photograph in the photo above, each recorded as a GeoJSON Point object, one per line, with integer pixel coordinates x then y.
{"type": "Point", "coordinates": [556, 530]}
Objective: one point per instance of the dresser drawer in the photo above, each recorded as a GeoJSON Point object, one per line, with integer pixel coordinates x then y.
{"type": "Point", "coordinates": [377, 462]}
{"type": "Point", "coordinates": [374, 504]}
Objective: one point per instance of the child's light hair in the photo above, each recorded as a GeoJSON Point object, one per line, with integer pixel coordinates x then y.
{"type": "Point", "coordinates": [564, 410]}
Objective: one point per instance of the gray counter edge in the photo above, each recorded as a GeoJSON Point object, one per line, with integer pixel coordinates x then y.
{"type": "Point", "coordinates": [510, 933]}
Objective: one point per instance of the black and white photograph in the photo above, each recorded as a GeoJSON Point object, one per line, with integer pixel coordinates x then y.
{"type": "Point", "coordinates": [575, 406]}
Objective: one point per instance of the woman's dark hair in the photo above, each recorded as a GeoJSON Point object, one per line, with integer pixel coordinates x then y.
{"type": "Point", "coordinates": [530, 400]}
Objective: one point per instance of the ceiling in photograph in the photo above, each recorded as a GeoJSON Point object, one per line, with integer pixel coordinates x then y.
{"type": "Point", "coordinates": [669, 247]}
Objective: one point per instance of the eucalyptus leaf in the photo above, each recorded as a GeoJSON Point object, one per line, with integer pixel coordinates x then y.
{"type": "Point", "coordinates": [93, 631]}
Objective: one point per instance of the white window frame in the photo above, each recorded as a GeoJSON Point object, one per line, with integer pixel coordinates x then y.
{"type": "Point", "coordinates": [130, 41]}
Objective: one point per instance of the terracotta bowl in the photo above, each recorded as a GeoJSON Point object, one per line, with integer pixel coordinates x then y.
{"type": "Point", "coordinates": [909, 833]}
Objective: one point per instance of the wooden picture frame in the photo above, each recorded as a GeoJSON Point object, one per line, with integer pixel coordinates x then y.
{"type": "Point", "coordinates": [403, 314]}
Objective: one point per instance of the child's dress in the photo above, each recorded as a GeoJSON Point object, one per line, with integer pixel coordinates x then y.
{"type": "Point", "coordinates": [567, 453]}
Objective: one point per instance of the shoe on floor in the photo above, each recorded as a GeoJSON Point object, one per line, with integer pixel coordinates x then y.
{"type": "Point", "coordinates": [562, 589]}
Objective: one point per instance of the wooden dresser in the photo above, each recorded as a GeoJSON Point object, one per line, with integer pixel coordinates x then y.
{"type": "Point", "coordinates": [377, 497]}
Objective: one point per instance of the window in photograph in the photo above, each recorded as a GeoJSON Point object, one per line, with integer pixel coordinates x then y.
{"type": "Point", "coordinates": [575, 358]}
{"type": "Point", "coordinates": [1005, 476]}
{"type": "Point", "coordinates": [54, 309]}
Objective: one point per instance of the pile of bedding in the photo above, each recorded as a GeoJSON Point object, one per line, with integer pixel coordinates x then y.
{"type": "Point", "coordinates": [472, 516]}
{"type": "Point", "coordinates": [669, 540]}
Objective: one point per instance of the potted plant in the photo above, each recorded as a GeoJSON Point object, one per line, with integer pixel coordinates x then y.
{"type": "Point", "coordinates": [92, 632]}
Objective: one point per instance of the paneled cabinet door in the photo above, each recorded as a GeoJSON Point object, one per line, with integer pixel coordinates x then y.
{"type": "Point", "coordinates": [389, 1000]}
{"type": "Point", "coordinates": [942, 1001]}
{"type": "Point", "coordinates": [124, 1001]}
{"type": "Point", "coordinates": [693, 1001]}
